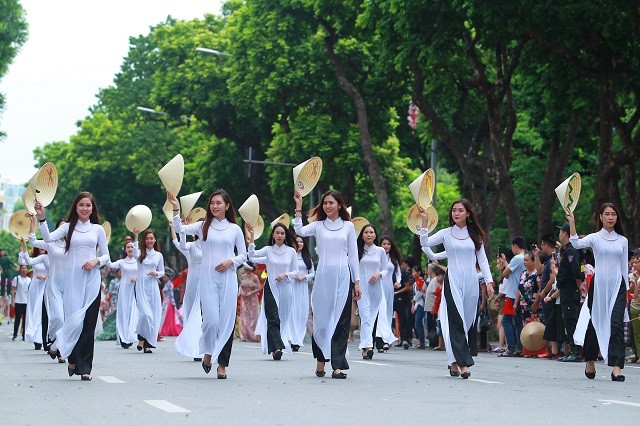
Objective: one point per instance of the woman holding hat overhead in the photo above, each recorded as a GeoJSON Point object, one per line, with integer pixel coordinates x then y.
{"type": "Point", "coordinates": [274, 325]}
{"type": "Point", "coordinates": [126, 308]}
{"type": "Point", "coordinates": [223, 251]}
{"type": "Point", "coordinates": [81, 300]}
{"type": "Point", "coordinates": [52, 306]}
{"type": "Point", "coordinates": [150, 269]}
{"type": "Point", "coordinates": [463, 242]}
{"type": "Point", "coordinates": [373, 269]}
{"type": "Point", "coordinates": [600, 325]}
{"type": "Point", "coordinates": [338, 265]}
{"type": "Point", "coordinates": [301, 302]}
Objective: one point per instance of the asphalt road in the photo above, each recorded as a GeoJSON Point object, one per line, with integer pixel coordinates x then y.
{"type": "Point", "coordinates": [412, 386]}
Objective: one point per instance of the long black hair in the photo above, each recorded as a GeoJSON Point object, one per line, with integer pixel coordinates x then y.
{"type": "Point", "coordinates": [394, 253]}
{"type": "Point", "coordinates": [318, 211]}
{"type": "Point", "coordinates": [475, 230]}
{"type": "Point", "coordinates": [360, 240]}
{"type": "Point", "coordinates": [229, 214]}
{"type": "Point", "coordinates": [94, 217]}
{"type": "Point", "coordinates": [288, 236]}
{"type": "Point", "coordinates": [143, 243]}
{"type": "Point", "coordinates": [306, 255]}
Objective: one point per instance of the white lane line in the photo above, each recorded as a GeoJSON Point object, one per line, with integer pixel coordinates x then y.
{"type": "Point", "coordinates": [370, 362]}
{"type": "Point", "coordinates": [250, 346]}
{"type": "Point", "coordinates": [110, 379]}
{"type": "Point", "coordinates": [630, 366]}
{"type": "Point", "coordinates": [305, 353]}
{"type": "Point", "coordinates": [166, 406]}
{"type": "Point", "coordinates": [485, 381]}
{"type": "Point", "coordinates": [613, 401]}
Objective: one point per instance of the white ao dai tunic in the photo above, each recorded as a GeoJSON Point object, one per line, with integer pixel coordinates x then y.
{"type": "Point", "coordinates": [148, 296]}
{"type": "Point", "coordinates": [338, 258]}
{"type": "Point", "coordinates": [126, 309]}
{"type": "Point", "coordinates": [218, 290]}
{"type": "Point", "coordinates": [385, 312]}
{"type": "Point", "coordinates": [33, 318]}
{"type": "Point", "coordinates": [612, 267]}
{"type": "Point", "coordinates": [81, 288]}
{"type": "Point", "coordinates": [462, 275]}
{"type": "Point", "coordinates": [374, 260]}
{"type": "Point", "coordinates": [279, 260]}
{"type": "Point", "coordinates": [301, 301]}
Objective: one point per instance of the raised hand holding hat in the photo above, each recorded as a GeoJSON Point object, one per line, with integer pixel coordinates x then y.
{"type": "Point", "coordinates": [306, 175]}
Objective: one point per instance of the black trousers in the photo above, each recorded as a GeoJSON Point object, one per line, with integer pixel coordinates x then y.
{"type": "Point", "coordinates": [463, 350]}
{"type": "Point", "coordinates": [570, 303]}
{"type": "Point", "coordinates": [339, 340]}
{"type": "Point", "coordinates": [554, 328]}
{"type": "Point", "coordinates": [403, 308]}
{"type": "Point", "coordinates": [225, 353]}
{"type": "Point", "coordinates": [274, 340]}
{"type": "Point", "coordinates": [615, 356]}
{"type": "Point", "coordinates": [378, 342]}
{"type": "Point", "coordinates": [45, 326]}
{"type": "Point", "coordinates": [82, 354]}
{"type": "Point", "coordinates": [20, 313]}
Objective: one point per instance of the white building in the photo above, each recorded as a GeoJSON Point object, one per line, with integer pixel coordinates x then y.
{"type": "Point", "coordinates": [9, 194]}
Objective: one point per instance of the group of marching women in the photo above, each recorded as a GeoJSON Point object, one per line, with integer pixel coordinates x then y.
{"type": "Point", "coordinates": [349, 266]}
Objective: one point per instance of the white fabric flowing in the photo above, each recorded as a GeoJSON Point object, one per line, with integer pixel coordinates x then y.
{"type": "Point", "coordinates": [385, 311]}
{"type": "Point", "coordinates": [33, 319]}
{"type": "Point", "coordinates": [218, 290]}
{"type": "Point", "coordinates": [81, 287]}
{"type": "Point", "coordinates": [148, 296]}
{"type": "Point", "coordinates": [126, 308]}
{"type": "Point", "coordinates": [338, 261]}
{"type": "Point", "coordinates": [279, 260]}
{"type": "Point", "coordinates": [374, 260]}
{"type": "Point", "coordinates": [188, 342]}
{"type": "Point", "coordinates": [54, 287]}
{"type": "Point", "coordinates": [301, 302]}
{"type": "Point", "coordinates": [462, 274]}
{"type": "Point", "coordinates": [612, 266]}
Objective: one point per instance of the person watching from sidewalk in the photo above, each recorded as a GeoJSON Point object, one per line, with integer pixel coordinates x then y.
{"type": "Point", "coordinates": [511, 271]}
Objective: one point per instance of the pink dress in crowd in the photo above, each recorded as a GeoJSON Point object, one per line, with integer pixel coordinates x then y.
{"type": "Point", "coordinates": [250, 307]}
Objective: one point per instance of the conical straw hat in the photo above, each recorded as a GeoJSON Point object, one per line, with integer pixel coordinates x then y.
{"type": "Point", "coordinates": [45, 183]}
{"type": "Point", "coordinates": [359, 223]}
{"type": "Point", "coordinates": [306, 175]}
{"type": "Point", "coordinates": [531, 336]}
{"type": "Point", "coordinates": [172, 174]}
{"type": "Point", "coordinates": [187, 202]}
{"type": "Point", "coordinates": [250, 210]}
{"type": "Point", "coordinates": [258, 229]}
{"type": "Point", "coordinates": [29, 199]}
{"type": "Point", "coordinates": [568, 192]}
{"type": "Point", "coordinates": [138, 218]}
{"type": "Point", "coordinates": [196, 214]}
{"type": "Point", "coordinates": [422, 188]}
{"type": "Point", "coordinates": [19, 224]}
{"type": "Point", "coordinates": [349, 210]}
{"type": "Point", "coordinates": [414, 221]}
{"type": "Point", "coordinates": [167, 209]}
{"type": "Point", "coordinates": [107, 230]}
{"type": "Point", "coordinates": [283, 219]}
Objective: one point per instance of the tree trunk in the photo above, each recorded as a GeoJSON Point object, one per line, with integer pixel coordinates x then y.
{"type": "Point", "coordinates": [379, 183]}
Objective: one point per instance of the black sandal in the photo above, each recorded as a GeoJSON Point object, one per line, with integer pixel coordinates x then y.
{"type": "Point", "coordinates": [220, 376]}
{"type": "Point", "coordinates": [206, 368]}
{"type": "Point", "coordinates": [277, 355]}
{"type": "Point", "coordinates": [85, 377]}
{"type": "Point", "coordinates": [339, 375]}
{"type": "Point", "coordinates": [453, 373]}
{"type": "Point", "coordinates": [71, 371]}
{"type": "Point", "coordinates": [320, 373]}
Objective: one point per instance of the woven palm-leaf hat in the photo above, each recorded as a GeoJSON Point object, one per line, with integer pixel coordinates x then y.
{"type": "Point", "coordinates": [29, 199]}
{"type": "Point", "coordinates": [258, 228]}
{"type": "Point", "coordinates": [283, 219]}
{"type": "Point", "coordinates": [568, 192]}
{"type": "Point", "coordinates": [172, 174]}
{"type": "Point", "coordinates": [306, 175]}
{"type": "Point", "coordinates": [250, 210]}
{"type": "Point", "coordinates": [45, 184]}
{"type": "Point", "coordinates": [531, 336]}
{"type": "Point", "coordinates": [107, 230]}
{"type": "Point", "coordinates": [196, 214]}
{"type": "Point", "coordinates": [19, 224]}
{"type": "Point", "coordinates": [422, 188]}
{"type": "Point", "coordinates": [359, 223]}
{"type": "Point", "coordinates": [414, 221]}
{"type": "Point", "coordinates": [138, 218]}
{"type": "Point", "coordinates": [187, 202]}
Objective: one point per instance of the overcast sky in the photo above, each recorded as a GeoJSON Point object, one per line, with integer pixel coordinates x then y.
{"type": "Point", "coordinates": [75, 47]}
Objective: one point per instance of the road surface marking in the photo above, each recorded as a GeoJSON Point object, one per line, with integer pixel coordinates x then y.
{"type": "Point", "coordinates": [110, 379]}
{"type": "Point", "coordinates": [370, 362]}
{"type": "Point", "coordinates": [166, 406]}
{"type": "Point", "coordinates": [485, 381]}
{"type": "Point", "coordinates": [613, 401]}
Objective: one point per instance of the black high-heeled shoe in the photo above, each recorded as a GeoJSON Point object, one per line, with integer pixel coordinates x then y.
{"type": "Point", "coordinates": [453, 373]}
{"type": "Point", "coordinates": [71, 371]}
{"type": "Point", "coordinates": [206, 368]}
{"type": "Point", "coordinates": [85, 377]}
{"type": "Point", "coordinates": [466, 374]}
{"type": "Point", "coordinates": [220, 375]}
{"type": "Point", "coordinates": [590, 374]}
{"type": "Point", "coordinates": [320, 373]}
{"type": "Point", "coordinates": [139, 347]}
{"type": "Point", "coordinates": [339, 375]}
{"type": "Point", "coordinates": [615, 378]}
{"type": "Point", "coordinates": [277, 355]}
